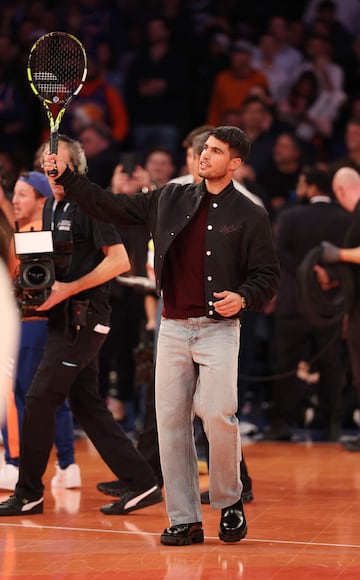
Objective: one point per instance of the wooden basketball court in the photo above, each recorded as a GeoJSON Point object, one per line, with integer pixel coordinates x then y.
{"type": "Point", "coordinates": [304, 524]}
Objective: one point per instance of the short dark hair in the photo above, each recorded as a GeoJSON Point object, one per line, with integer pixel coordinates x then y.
{"type": "Point", "coordinates": [236, 138]}
{"type": "Point", "coordinates": [318, 177]}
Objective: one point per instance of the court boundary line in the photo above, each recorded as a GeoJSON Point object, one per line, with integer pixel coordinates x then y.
{"type": "Point", "coordinates": [139, 533]}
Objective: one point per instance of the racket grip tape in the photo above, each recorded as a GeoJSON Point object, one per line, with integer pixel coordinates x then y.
{"type": "Point", "coordinates": [53, 149]}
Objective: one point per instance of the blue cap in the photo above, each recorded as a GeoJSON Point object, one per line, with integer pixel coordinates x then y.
{"type": "Point", "coordinates": [38, 181]}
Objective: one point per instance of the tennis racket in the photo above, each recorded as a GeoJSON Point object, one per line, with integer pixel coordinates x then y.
{"type": "Point", "coordinates": [56, 70]}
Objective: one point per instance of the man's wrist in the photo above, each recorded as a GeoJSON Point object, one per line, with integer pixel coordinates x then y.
{"type": "Point", "coordinates": [243, 302]}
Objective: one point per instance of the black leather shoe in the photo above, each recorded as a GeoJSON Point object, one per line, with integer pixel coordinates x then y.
{"type": "Point", "coordinates": [115, 488]}
{"type": "Point", "coordinates": [233, 527]}
{"type": "Point", "coordinates": [183, 535]}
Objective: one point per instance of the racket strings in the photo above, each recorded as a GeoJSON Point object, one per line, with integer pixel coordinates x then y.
{"type": "Point", "coordinates": [57, 67]}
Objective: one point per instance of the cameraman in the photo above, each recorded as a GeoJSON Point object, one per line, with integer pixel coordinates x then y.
{"type": "Point", "coordinates": [79, 317]}
{"type": "Point", "coordinates": [30, 193]}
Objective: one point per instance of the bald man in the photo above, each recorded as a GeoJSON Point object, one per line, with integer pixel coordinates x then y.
{"type": "Point", "coordinates": [346, 187]}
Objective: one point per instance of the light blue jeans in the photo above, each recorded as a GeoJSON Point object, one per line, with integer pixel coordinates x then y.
{"type": "Point", "coordinates": [196, 373]}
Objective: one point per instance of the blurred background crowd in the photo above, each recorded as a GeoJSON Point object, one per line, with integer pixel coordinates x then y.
{"type": "Point", "coordinates": [288, 73]}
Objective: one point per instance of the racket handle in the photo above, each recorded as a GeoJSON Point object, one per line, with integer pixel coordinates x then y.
{"type": "Point", "coordinates": [53, 149]}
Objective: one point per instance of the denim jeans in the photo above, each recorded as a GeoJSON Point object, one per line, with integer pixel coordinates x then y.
{"type": "Point", "coordinates": [196, 373]}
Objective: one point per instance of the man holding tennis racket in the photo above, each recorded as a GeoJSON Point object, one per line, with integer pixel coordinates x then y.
{"type": "Point", "coordinates": [87, 255]}
{"type": "Point", "coordinates": [214, 256]}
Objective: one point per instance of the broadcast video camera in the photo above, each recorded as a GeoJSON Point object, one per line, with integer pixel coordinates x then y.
{"type": "Point", "coordinates": [36, 271]}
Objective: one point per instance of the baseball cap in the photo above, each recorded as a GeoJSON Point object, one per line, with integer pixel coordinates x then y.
{"type": "Point", "coordinates": [38, 181]}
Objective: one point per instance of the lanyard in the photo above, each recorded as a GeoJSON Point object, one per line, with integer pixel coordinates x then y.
{"type": "Point", "coordinates": [62, 214]}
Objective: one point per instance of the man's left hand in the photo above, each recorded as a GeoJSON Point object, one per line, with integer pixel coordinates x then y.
{"type": "Point", "coordinates": [227, 303]}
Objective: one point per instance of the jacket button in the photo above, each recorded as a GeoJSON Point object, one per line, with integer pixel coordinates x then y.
{"type": "Point", "coordinates": [209, 278]}
{"type": "Point", "coordinates": [209, 227]}
{"type": "Point", "coordinates": [210, 303]}
{"type": "Point", "coordinates": [215, 204]}
{"type": "Point", "coordinates": [208, 252]}
{"type": "Point", "coordinates": [172, 233]}
{"type": "Point", "coordinates": [211, 312]}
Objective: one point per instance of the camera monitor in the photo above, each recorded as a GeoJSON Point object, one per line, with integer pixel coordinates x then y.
{"type": "Point", "coordinates": [33, 243]}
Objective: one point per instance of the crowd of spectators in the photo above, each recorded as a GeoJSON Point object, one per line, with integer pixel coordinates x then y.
{"type": "Point", "coordinates": [159, 68]}
{"type": "Point", "coordinates": [286, 73]}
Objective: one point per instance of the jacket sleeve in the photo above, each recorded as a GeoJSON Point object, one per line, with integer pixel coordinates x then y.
{"type": "Point", "coordinates": [263, 270]}
{"type": "Point", "coordinates": [119, 209]}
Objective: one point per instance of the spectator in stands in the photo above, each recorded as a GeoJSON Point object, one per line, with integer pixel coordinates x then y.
{"type": "Point", "coordinates": [256, 121]}
{"type": "Point", "coordinates": [351, 157]}
{"type": "Point", "coordinates": [232, 86]}
{"type": "Point", "coordinates": [101, 153]}
{"type": "Point", "coordinates": [98, 102]}
{"type": "Point", "coordinates": [264, 59]}
{"type": "Point", "coordinates": [280, 178]}
{"type": "Point", "coordinates": [287, 57]}
{"type": "Point", "coordinates": [157, 91]}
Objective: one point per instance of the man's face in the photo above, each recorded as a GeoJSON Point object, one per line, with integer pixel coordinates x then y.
{"type": "Point", "coordinates": [215, 159]}
{"type": "Point", "coordinates": [92, 142]}
{"type": "Point", "coordinates": [254, 116]}
{"type": "Point", "coordinates": [160, 166]}
{"type": "Point", "coordinates": [25, 203]}
{"type": "Point", "coordinates": [285, 149]}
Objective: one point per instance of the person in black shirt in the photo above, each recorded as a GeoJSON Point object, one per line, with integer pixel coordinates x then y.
{"type": "Point", "coordinates": [87, 254]}
{"type": "Point", "coordinates": [346, 186]}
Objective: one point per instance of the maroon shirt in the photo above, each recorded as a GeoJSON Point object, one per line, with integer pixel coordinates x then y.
{"type": "Point", "coordinates": [183, 276]}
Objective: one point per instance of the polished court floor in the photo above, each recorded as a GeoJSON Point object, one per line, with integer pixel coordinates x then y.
{"type": "Point", "coordinates": [304, 524]}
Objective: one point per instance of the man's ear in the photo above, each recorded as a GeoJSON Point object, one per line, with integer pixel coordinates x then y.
{"type": "Point", "coordinates": [235, 162]}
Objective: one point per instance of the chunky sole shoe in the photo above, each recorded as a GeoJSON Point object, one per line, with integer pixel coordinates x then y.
{"type": "Point", "coordinates": [17, 506]}
{"type": "Point", "coordinates": [233, 526]}
{"type": "Point", "coordinates": [115, 488]}
{"type": "Point", "coordinates": [133, 500]}
{"type": "Point", "coordinates": [183, 535]}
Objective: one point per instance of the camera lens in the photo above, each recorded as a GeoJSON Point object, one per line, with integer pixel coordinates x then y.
{"type": "Point", "coordinates": [37, 275]}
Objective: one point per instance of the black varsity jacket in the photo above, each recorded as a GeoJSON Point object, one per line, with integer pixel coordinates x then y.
{"type": "Point", "coordinates": [239, 251]}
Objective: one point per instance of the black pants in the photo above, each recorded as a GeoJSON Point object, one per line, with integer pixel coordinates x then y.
{"type": "Point", "coordinates": [148, 444]}
{"type": "Point", "coordinates": [296, 340]}
{"type": "Point", "coordinates": [117, 352]}
{"type": "Point", "coordinates": [70, 370]}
